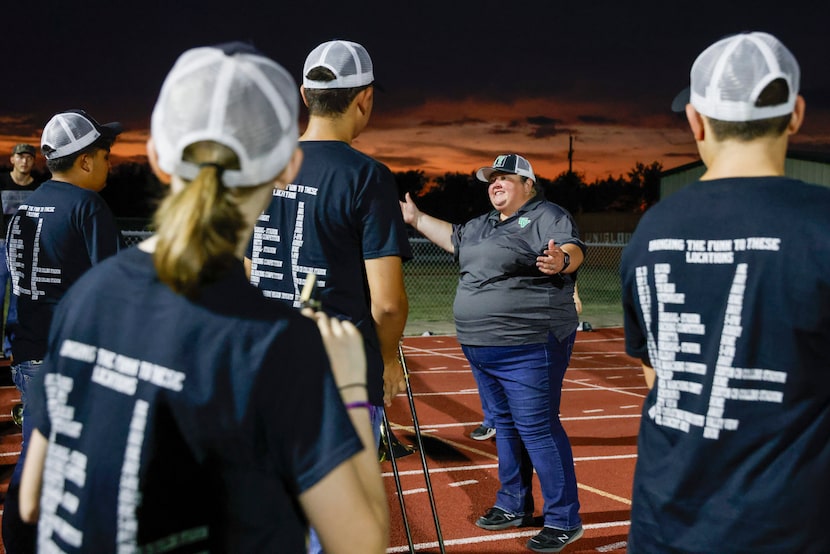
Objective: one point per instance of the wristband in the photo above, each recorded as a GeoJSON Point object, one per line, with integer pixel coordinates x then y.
{"type": "Point", "coordinates": [361, 404]}
{"type": "Point", "coordinates": [352, 385]}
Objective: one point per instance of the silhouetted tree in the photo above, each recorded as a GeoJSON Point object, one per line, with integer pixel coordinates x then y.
{"type": "Point", "coordinates": [565, 190]}
{"type": "Point", "coordinates": [411, 181]}
{"type": "Point", "coordinates": [646, 178]}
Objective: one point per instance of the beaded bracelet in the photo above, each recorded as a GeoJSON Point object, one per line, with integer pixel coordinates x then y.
{"type": "Point", "coordinates": [352, 385]}
{"type": "Point", "coordinates": [361, 404]}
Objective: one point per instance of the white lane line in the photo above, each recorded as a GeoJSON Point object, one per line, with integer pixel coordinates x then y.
{"type": "Point", "coordinates": [595, 411]}
{"type": "Point", "coordinates": [446, 393]}
{"type": "Point", "coordinates": [610, 416]}
{"type": "Point", "coordinates": [459, 356]}
{"type": "Point", "coordinates": [435, 426]}
{"type": "Point", "coordinates": [621, 390]}
{"type": "Point", "coordinates": [596, 388]}
{"type": "Point", "coordinates": [613, 546]}
{"type": "Point", "coordinates": [604, 458]}
{"type": "Point", "coordinates": [480, 467]}
{"type": "Point", "coordinates": [604, 494]}
{"type": "Point", "coordinates": [464, 371]}
{"type": "Point", "coordinates": [629, 406]}
{"type": "Point", "coordinates": [495, 537]}
{"type": "Point", "coordinates": [464, 483]}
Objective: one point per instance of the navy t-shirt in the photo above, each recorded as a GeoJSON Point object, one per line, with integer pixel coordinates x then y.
{"type": "Point", "coordinates": [11, 196]}
{"type": "Point", "coordinates": [341, 209]}
{"type": "Point", "coordinates": [53, 238]}
{"type": "Point", "coordinates": [726, 292]}
{"type": "Point", "coordinates": [502, 298]}
{"type": "Point", "coordinates": [187, 423]}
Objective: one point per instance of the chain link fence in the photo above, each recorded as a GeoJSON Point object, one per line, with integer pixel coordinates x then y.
{"type": "Point", "coordinates": [432, 275]}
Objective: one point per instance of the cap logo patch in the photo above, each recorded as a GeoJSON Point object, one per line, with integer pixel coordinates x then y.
{"type": "Point", "coordinates": [500, 161]}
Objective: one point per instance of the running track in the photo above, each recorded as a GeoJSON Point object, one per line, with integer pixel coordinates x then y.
{"type": "Point", "coordinates": [602, 396]}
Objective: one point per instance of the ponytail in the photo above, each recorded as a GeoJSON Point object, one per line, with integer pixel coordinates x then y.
{"type": "Point", "coordinates": [198, 227]}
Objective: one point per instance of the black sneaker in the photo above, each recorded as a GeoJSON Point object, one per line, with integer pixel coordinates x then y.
{"type": "Point", "coordinates": [482, 433]}
{"type": "Point", "coordinates": [17, 414]}
{"type": "Point", "coordinates": [497, 519]}
{"type": "Point", "coordinates": [553, 540]}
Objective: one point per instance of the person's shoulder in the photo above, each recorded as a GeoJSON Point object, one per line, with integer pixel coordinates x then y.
{"type": "Point", "coordinates": [821, 192]}
{"type": "Point", "coordinates": [342, 152]}
{"type": "Point", "coordinates": [551, 208]}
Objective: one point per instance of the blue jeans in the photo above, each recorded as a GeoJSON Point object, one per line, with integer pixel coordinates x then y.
{"type": "Point", "coordinates": [376, 417]}
{"type": "Point", "coordinates": [522, 385]}
{"type": "Point", "coordinates": [487, 420]}
{"type": "Point", "coordinates": [22, 375]}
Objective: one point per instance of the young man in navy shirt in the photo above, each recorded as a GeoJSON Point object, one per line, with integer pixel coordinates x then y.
{"type": "Point", "coordinates": [62, 230]}
{"type": "Point", "coordinates": [726, 294]}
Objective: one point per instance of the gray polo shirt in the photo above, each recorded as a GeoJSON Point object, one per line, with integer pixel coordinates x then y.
{"type": "Point", "coordinates": [502, 298]}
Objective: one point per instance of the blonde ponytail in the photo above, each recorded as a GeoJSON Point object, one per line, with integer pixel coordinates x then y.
{"type": "Point", "coordinates": [198, 228]}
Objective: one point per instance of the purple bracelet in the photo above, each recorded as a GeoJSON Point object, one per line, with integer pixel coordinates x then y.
{"type": "Point", "coordinates": [361, 404]}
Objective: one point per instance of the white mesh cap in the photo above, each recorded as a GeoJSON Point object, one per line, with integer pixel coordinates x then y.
{"type": "Point", "coordinates": [349, 61]}
{"type": "Point", "coordinates": [233, 95]}
{"type": "Point", "coordinates": [71, 131]}
{"type": "Point", "coordinates": [728, 77]}
{"type": "Point", "coordinates": [507, 163]}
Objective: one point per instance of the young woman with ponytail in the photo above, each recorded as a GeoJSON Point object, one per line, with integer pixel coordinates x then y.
{"type": "Point", "coordinates": [181, 411]}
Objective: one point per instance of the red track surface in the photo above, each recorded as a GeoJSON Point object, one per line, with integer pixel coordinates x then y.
{"type": "Point", "coordinates": [601, 401]}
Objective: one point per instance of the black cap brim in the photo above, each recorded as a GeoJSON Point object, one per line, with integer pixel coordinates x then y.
{"type": "Point", "coordinates": [111, 130]}
{"type": "Point", "coordinates": [678, 105]}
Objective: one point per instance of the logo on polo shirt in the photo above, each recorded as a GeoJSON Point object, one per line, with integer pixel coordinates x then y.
{"type": "Point", "coordinates": [523, 221]}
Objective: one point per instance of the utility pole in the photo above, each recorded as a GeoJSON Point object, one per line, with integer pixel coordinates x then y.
{"type": "Point", "coordinates": [571, 154]}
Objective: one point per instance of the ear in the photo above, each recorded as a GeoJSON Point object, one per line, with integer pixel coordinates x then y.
{"type": "Point", "coordinates": [302, 94]}
{"type": "Point", "coordinates": [695, 122]}
{"type": "Point", "coordinates": [84, 162]}
{"type": "Point", "coordinates": [153, 158]}
{"type": "Point", "coordinates": [797, 118]}
{"type": "Point", "coordinates": [287, 175]}
{"type": "Point", "coordinates": [365, 99]}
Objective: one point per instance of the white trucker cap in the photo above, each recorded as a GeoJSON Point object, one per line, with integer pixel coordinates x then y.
{"type": "Point", "coordinates": [507, 163]}
{"type": "Point", "coordinates": [349, 61]}
{"type": "Point", "coordinates": [71, 131]}
{"type": "Point", "coordinates": [728, 77]}
{"type": "Point", "coordinates": [234, 95]}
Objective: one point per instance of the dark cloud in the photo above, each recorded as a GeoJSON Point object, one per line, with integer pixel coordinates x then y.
{"type": "Point", "coordinates": [596, 120]}
{"type": "Point", "coordinates": [543, 120]}
{"type": "Point", "coordinates": [544, 132]}
{"type": "Point", "coordinates": [462, 121]}
{"type": "Point", "coordinates": [407, 161]}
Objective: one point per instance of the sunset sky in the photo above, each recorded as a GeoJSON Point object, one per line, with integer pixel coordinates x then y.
{"type": "Point", "coordinates": [463, 80]}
